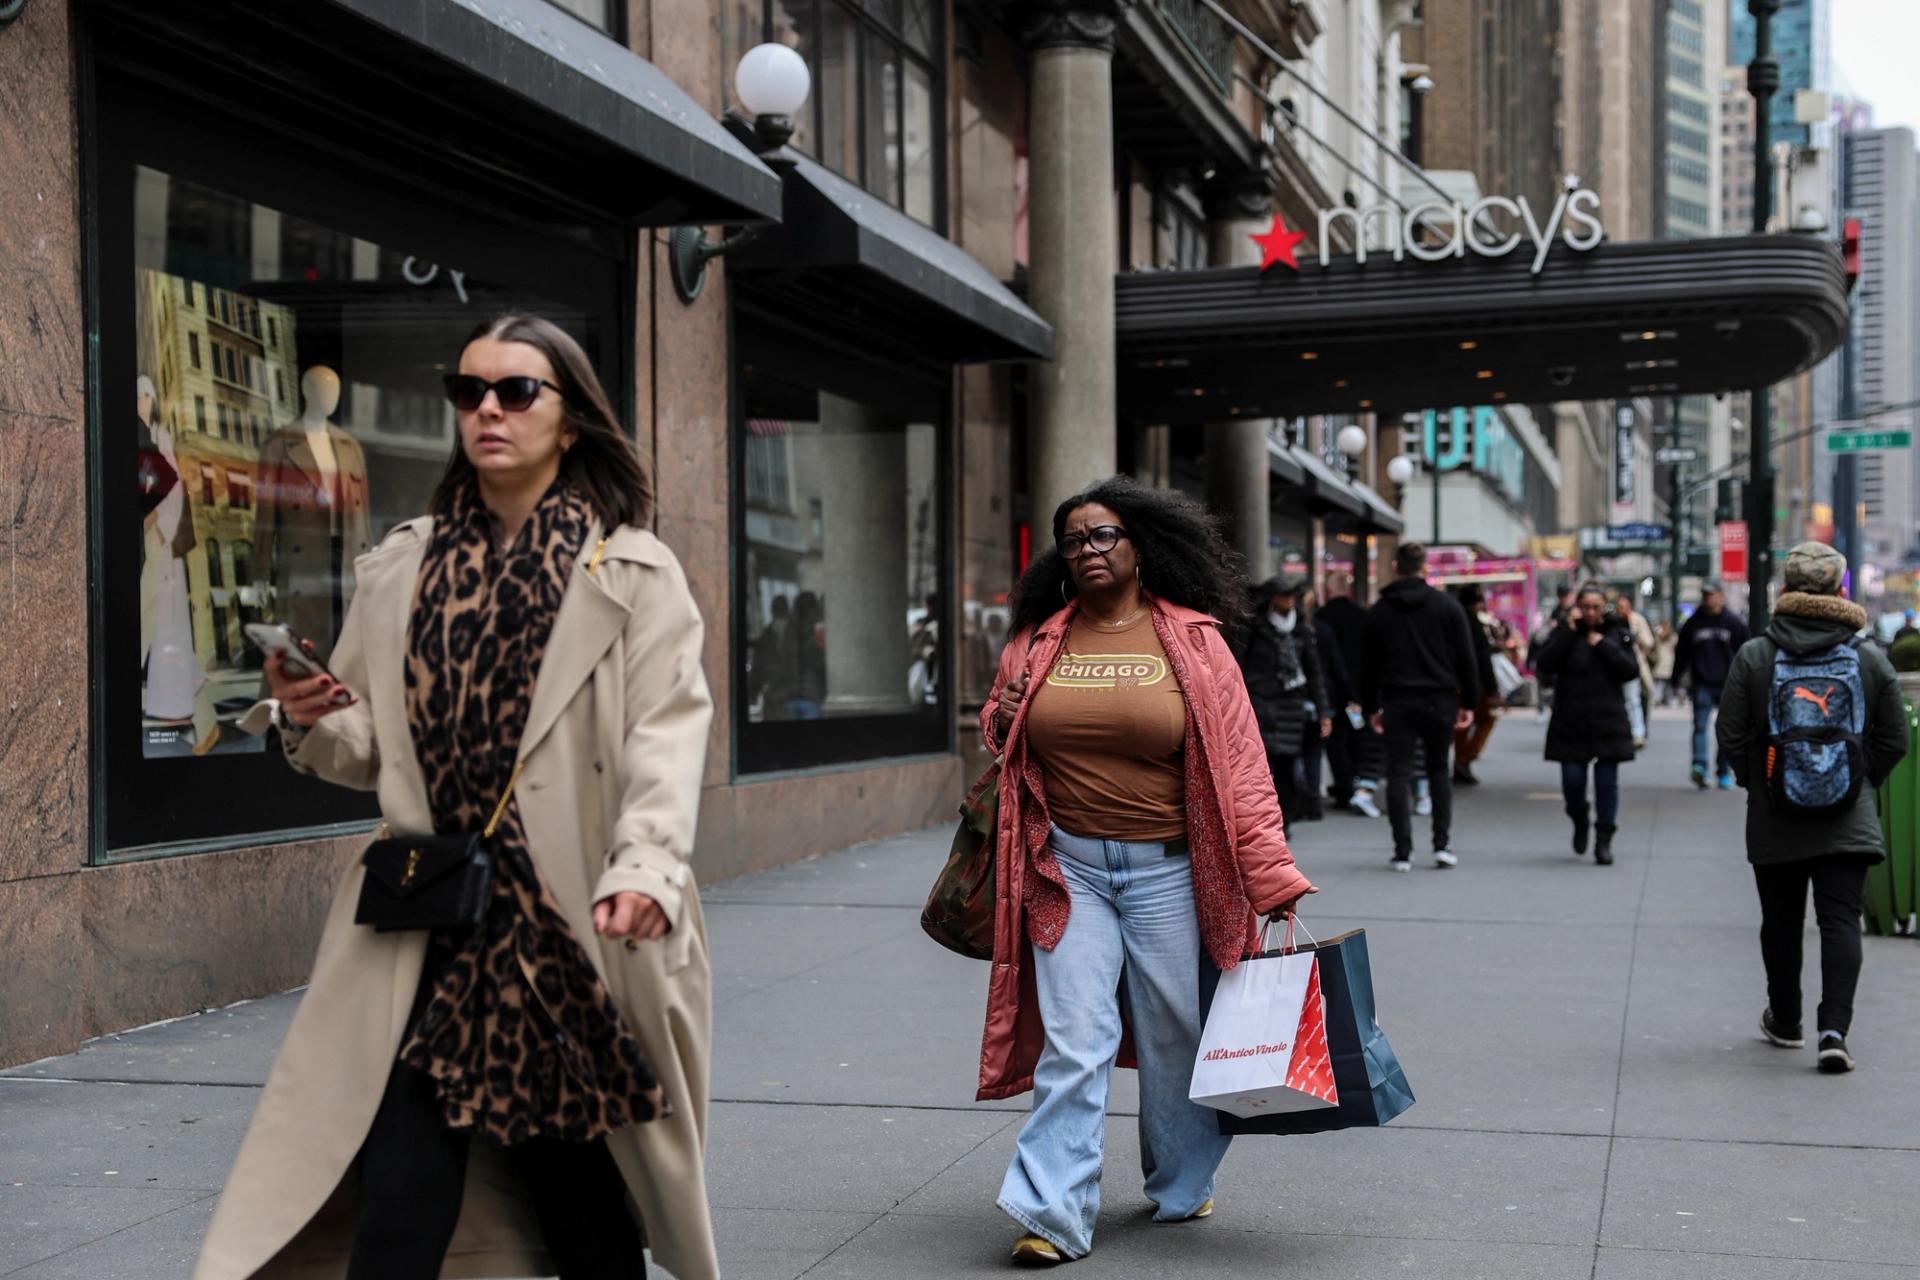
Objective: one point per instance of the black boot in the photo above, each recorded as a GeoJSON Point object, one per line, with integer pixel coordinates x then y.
{"type": "Point", "coordinates": [1603, 846]}
{"type": "Point", "coordinates": [1579, 817]}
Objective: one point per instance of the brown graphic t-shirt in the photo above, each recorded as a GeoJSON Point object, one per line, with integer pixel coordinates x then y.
{"type": "Point", "coordinates": [1109, 726]}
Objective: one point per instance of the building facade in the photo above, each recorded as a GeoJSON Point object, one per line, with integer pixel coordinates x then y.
{"type": "Point", "coordinates": [1696, 54]}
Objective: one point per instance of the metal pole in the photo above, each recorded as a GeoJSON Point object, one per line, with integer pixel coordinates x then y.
{"type": "Point", "coordinates": [1763, 81]}
{"type": "Point", "coordinates": [1677, 516]}
{"type": "Point", "coordinates": [1436, 496]}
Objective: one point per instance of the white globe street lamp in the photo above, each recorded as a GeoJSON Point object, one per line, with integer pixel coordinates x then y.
{"type": "Point", "coordinates": [1352, 441]}
{"type": "Point", "coordinates": [1400, 469]}
{"type": "Point", "coordinates": [772, 80]}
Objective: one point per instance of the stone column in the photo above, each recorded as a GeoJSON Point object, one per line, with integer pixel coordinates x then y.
{"type": "Point", "coordinates": [864, 534]}
{"type": "Point", "coordinates": [1073, 249]}
{"type": "Point", "coordinates": [1238, 475]}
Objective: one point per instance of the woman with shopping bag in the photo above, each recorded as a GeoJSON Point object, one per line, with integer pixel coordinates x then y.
{"type": "Point", "coordinates": [1137, 833]}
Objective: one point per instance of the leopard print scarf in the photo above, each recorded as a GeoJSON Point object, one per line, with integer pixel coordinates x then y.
{"type": "Point", "coordinates": [520, 1035]}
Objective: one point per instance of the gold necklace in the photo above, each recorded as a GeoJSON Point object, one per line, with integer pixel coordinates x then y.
{"type": "Point", "coordinates": [1122, 622]}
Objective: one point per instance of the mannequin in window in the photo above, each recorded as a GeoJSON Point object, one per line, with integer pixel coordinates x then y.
{"type": "Point", "coordinates": [312, 519]}
{"type": "Point", "coordinates": [174, 674]}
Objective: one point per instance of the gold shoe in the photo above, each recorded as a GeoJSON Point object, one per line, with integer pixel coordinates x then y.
{"type": "Point", "coordinates": [1204, 1211]}
{"type": "Point", "coordinates": [1036, 1251]}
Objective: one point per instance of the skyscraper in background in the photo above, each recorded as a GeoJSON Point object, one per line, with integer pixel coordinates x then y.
{"type": "Point", "coordinates": [1802, 44]}
{"type": "Point", "coordinates": [1736, 153]}
{"type": "Point", "coordinates": [1696, 54]}
{"type": "Point", "coordinates": [1880, 185]}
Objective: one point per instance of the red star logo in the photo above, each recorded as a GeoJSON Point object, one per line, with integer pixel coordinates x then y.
{"type": "Point", "coordinates": [1278, 244]}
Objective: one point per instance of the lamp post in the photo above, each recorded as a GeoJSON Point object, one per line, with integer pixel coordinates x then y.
{"type": "Point", "coordinates": [1763, 81]}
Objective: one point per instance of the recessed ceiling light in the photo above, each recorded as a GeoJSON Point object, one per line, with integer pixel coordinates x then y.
{"type": "Point", "coordinates": [1484, 373]}
{"type": "Point", "coordinates": [1341, 382]}
{"type": "Point", "coordinates": [1366, 404]}
{"type": "Point", "coordinates": [1468, 345]}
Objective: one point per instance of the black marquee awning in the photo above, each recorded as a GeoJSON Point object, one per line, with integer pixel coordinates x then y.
{"type": "Point", "coordinates": [843, 258]}
{"type": "Point", "coordinates": [514, 95]}
{"type": "Point", "coordinates": [1669, 317]}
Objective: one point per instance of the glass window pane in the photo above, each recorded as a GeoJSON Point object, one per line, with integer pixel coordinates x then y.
{"type": "Point", "coordinates": [317, 424]}
{"type": "Point", "coordinates": [921, 121]}
{"type": "Point", "coordinates": [917, 26]}
{"type": "Point", "coordinates": [881, 172]}
{"type": "Point", "coordinates": [794, 24]}
{"type": "Point", "coordinates": [742, 25]}
{"type": "Point", "coordinates": [597, 12]}
{"type": "Point", "coordinates": [842, 558]}
{"type": "Point", "coordinates": [837, 85]}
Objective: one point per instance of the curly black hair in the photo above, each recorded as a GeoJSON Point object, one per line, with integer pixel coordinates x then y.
{"type": "Point", "coordinates": [1184, 557]}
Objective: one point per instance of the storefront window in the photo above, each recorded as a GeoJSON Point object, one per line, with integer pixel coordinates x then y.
{"type": "Point", "coordinates": [287, 368]}
{"type": "Point", "coordinates": [839, 653]}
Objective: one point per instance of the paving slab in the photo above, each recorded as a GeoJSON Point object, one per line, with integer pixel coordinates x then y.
{"type": "Point", "coordinates": [895, 872]}
{"type": "Point", "coordinates": [766, 944]}
{"type": "Point", "coordinates": [781, 1244]}
{"type": "Point", "coordinates": [116, 1137]}
{"type": "Point", "coordinates": [234, 1045]}
{"type": "Point", "coordinates": [1832, 1204]}
{"type": "Point", "coordinates": [764, 1156]}
{"type": "Point", "coordinates": [1659, 1264]}
{"type": "Point", "coordinates": [41, 1223]}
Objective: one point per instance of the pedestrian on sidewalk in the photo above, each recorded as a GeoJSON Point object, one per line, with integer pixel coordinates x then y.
{"type": "Point", "coordinates": [1281, 664]}
{"type": "Point", "coordinates": [1703, 656]}
{"type": "Point", "coordinates": [1639, 690]}
{"type": "Point", "coordinates": [1813, 677]}
{"type": "Point", "coordinates": [1468, 743]}
{"type": "Point", "coordinates": [1590, 658]}
{"type": "Point", "coordinates": [1419, 686]}
{"type": "Point", "coordinates": [1665, 641]}
{"type": "Point", "coordinates": [1355, 755]}
{"type": "Point", "coordinates": [527, 651]}
{"type": "Point", "coordinates": [1341, 701]}
{"type": "Point", "coordinates": [1137, 838]}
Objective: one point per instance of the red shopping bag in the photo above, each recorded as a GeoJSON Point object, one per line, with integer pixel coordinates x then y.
{"type": "Point", "coordinates": [1264, 1050]}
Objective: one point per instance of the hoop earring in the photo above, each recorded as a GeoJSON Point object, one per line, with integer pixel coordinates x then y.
{"type": "Point", "coordinates": [1063, 593]}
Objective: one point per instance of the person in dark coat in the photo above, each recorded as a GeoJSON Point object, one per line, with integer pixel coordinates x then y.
{"type": "Point", "coordinates": [1590, 656]}
{"type": "Point", "coordinates": [1704, 656]}
{"type": "Point", "coordinates": [1355, 755]}
{"type": "Point", "coordinates": [1468, 743]}
{"type": "Point", "coordinates": [1340, 694]}
{"type": "Point", "coordinates": [1281, 663]}
{"type": "Point", "coordinates": [1792, 852]}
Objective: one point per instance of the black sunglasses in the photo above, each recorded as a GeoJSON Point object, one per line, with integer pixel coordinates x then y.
{"type": "Point", "coordinates": [516, 394]}
{"type": "Point", "coordinates": [1101, 538]}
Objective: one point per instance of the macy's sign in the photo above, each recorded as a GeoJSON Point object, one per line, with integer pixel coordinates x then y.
{"type": "Point", "coordinates": [1573, 220]}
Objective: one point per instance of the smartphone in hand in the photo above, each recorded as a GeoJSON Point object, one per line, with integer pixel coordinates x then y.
{"type": "Point", "coordinates": [297, 656]}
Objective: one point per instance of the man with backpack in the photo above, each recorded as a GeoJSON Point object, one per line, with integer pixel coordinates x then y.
{"type": "Point", "coordinates": [1812, 721]}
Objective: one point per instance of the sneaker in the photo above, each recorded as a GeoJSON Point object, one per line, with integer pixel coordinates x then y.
{"type": "Point", "coordinates": [1700, 776]}
{"type": "Point", "coordinates": [1784, 1037]}
{"type": "Point", "coordinates": [1726, 782]}
{"type": "Point", "coordinates": [1364, 806]}
{"type": "Point", "coordinates": [1423, 807]}
{"type": "Point", "coordinates": [1036, 1251]}
{"type": "Point", "coordinates": [1401, 862]}
{"type": "Point", "coordinates": [1834, 1058]}
{"type": "Point", "coordinates": [1445, 858]}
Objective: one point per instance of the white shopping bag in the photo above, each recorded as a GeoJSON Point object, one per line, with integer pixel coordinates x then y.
{"type": "Point", "coordinates": [1264, 1049]}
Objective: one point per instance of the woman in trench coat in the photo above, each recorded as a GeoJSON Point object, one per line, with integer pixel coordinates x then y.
{"type": "Point", "coordinates": [610, 755]}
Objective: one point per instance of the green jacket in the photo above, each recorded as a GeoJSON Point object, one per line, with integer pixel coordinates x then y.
{"type": "Point", "coordinates": [1807, 624]}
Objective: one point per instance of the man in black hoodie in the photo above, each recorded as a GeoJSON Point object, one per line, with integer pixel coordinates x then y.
{"type": "Point", "coordinates": [1419, 684]}
{"type": "Point", "coordinates": [1791, 849]}
{"type": "Point", "coordinates": [1705, 652]}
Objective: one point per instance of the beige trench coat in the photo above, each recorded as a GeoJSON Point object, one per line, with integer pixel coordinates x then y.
{"type": "Point", "coordinates": [613, 751]}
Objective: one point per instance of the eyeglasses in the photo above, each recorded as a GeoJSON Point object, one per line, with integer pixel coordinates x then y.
{"type": "Point", "coordinates": [516, 394]}
{"type": "Point", "coordinates": [1101, 538]}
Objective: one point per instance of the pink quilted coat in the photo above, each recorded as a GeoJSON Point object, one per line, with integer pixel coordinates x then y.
{"type": "Point", "coordinates": [1242, 868]}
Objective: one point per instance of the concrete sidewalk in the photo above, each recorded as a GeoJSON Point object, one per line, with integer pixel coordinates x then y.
{"type": "Point", "coordinates": [1594, 1098]}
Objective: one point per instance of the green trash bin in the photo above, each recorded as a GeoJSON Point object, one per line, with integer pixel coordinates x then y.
{"type": "Point", "coordinates": [1893, 887]}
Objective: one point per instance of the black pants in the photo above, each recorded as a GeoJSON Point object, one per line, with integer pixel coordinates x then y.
{"type": "Point", "coordinates": [1339, 753]}
{"type": "Point", "coordinates": [1283, 788]}
{"type": "Point", "coordinates": [1839, 895]}
{"type": "Point", "coordinates": [1416, 725]}
{"type": "Point", "coordinates": [413, 1175]}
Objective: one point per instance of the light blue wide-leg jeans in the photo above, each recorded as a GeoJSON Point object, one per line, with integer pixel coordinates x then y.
{"type": "Point", "coordinates": [1132, 916]}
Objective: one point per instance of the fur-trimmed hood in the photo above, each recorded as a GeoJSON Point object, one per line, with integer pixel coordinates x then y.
{"type": "Point", "coordinates": [1801, 604]}
{"type": "Point", "coordinates": [1805, 623]}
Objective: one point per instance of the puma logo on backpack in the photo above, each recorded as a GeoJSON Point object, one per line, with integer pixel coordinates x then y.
{"type": "Point", "coordinates": [1816, 712]}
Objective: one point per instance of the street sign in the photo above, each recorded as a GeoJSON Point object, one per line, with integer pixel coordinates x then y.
{"type": "Point", "coordinates": [1639, 531]}
{"type": "Point", "coordinates": [1855, 441]}
{"type": "Point", "coordinates": [1733, 550]}
{"type": "Point", "coordinates": [1669, 455]}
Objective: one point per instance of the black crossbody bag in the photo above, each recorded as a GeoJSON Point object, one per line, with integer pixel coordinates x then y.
{"type": "Point", "coordinates": [430, 881]}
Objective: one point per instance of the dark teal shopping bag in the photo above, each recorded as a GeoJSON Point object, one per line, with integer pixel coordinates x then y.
{"type": "Point", "coordinates": [1373, 1087]}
